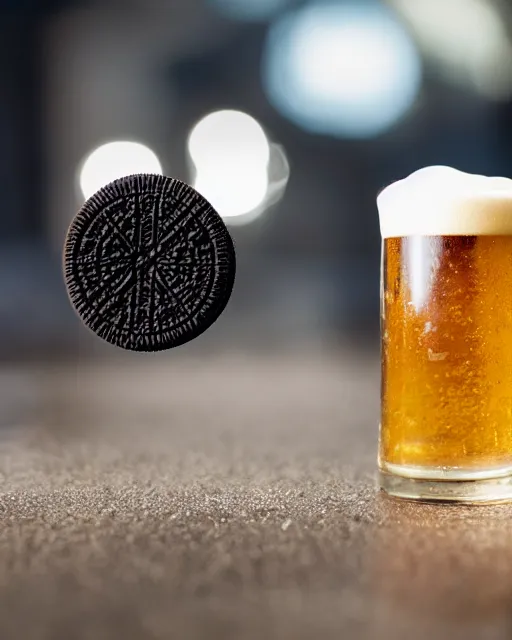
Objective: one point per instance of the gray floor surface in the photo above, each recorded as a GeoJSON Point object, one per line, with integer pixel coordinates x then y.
{"type": "Point", "coordinates": [227, 497]}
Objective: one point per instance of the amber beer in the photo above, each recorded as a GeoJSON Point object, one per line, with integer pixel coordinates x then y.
{"type": "Point", "coordinates": [446, 423]}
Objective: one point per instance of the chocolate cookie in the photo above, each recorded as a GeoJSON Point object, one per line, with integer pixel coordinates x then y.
{"type": "Point", "coordinates": [148, 263]}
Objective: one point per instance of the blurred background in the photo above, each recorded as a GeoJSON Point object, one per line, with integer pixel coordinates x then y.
{"type": "Point", "coordinates": [226, 489]}
{"type": "Point", "coordinates": [289, 115]}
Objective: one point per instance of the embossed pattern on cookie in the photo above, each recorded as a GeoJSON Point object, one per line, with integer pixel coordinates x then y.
{"type": "Point", "coordinates": [148, 263]}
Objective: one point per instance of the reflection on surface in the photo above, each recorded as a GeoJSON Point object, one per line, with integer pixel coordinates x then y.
{"type": "Point", "coordinates": [451, 560]}
{"type": "Point", "coordinates": [421, 262]}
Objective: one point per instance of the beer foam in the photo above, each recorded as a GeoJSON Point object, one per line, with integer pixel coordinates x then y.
{"type": "Point", "coordinates": [441, 200]}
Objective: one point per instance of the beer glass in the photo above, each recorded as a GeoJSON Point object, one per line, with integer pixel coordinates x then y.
{"type": "Point", "coordinates": [446, 319]}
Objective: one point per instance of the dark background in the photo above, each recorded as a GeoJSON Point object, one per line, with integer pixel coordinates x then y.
{"type": "Point", "coordinates": [78, 74]}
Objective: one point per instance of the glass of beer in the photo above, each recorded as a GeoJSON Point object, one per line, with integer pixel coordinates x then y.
{"type": "Point", "coordinates": [446, 320]}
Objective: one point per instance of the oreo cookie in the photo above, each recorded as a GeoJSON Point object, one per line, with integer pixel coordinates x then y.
{"type": "Point", "coordinates": [148, 263]}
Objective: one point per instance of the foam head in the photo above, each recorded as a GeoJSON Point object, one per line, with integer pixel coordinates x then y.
{"type": "Point", "coordinates": [444, 201]}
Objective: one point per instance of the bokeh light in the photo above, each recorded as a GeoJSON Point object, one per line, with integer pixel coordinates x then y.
{"type": "Point", "coordinates": [227, 137]}
{"type": "Point", "coordinates": [466, 40]}
{"type": "Point", "coordinates": [348, 70]}
{"type": "Point", "coordinates": [230, 153]}
{"type": "Point", "coordinates": [229, 200]}
{"type": "Point", "coordinates": [249, 10]}
{"type": "Point", "coordinates": [115, 160]}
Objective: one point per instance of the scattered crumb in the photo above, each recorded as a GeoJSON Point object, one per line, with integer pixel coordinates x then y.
{"type": "Point", "coordinates": [286, 524]}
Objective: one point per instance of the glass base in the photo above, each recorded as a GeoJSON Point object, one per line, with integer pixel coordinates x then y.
{"type": "Point", "coordinates": [447, 485]}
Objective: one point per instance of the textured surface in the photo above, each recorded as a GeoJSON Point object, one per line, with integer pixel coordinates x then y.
{"type": "Point", "coordinates": [149, 265]}
{"type": "Point", "coordinates": [131, 510]}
